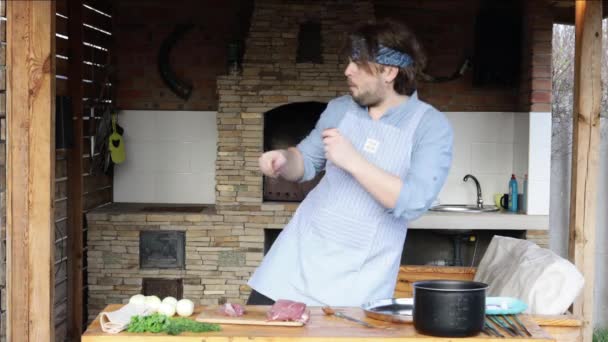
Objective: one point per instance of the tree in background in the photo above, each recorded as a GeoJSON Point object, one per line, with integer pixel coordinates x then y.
{"type": "Point", "coordinates": [604, 108]}
{"type": "Point", "coordinates": [562, 70]}
{"type": "Point", "coordinates": [563, 81]}
{"type": "Point", "coordinates": [562, 85]}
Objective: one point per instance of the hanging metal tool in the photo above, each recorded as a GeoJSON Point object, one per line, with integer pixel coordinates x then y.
{"type": "Point", "coordinates": [179, 87]}
{"type": "Point", "coordinates": [100, 120]}
{"type": "Point", "coordinates": [92, 136]}
{"type": "Point", "coordinates": [438, 79]}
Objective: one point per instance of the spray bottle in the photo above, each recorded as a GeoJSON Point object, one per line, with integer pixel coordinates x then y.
{"type": "Point", "coordinates": [513, 194]}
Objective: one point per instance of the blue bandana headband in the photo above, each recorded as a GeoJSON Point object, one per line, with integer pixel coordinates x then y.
{"type": "Point", "coordinates": [388, 56]}
{"type": "Point", "coordinates": [385, 55]}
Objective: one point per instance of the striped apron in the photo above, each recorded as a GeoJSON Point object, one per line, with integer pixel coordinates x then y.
{"type": "Point", "coordinates": [342, 247]}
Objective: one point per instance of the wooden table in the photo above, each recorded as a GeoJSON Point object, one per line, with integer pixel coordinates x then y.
{"type": "Point", "coordinates": [319, 328]}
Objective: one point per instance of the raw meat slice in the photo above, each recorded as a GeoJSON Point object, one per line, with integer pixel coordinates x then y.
{"type": "Point", "coordinates": [287, 310]}
{"type": "Point", "coordinates": [232, 310]}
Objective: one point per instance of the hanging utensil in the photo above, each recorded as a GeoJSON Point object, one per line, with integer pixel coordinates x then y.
{"type": "Point", "coordinates": [116, 144]}
{"type": "Point", "coordinates": [92, 137]}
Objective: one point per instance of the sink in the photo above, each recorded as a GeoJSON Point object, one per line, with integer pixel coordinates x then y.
{"type": "Point", "coordinates": [464, 208]}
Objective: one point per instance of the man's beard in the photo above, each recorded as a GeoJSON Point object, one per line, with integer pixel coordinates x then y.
{"type": "Point", "coordinates": [370, 97]}
{"type": "Point", "coordinates": [367, 99]}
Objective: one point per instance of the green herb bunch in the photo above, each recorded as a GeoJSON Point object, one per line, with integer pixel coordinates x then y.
{"type": "Point", "coordinates": [158, 323]}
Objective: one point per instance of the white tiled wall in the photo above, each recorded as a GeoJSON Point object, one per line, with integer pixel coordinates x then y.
{"type": "Point", "coordinates": [491, 146]}
{"type": "Point", "coordinates": [539, 163]}
{"type": "Point", "coordinates": [521, 145]}
{"type": "Point", "coordinates": [170, 157]}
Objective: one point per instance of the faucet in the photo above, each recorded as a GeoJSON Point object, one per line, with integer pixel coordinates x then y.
{"type": "Point", "coordinates": [479, 198]}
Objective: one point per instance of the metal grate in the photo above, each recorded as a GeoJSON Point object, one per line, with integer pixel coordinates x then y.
{"type": "Point", "coordinates": [162, 249]}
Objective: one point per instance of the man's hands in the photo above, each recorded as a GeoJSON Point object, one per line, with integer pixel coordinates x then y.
{"type": "Point", "coordinates": [273, 162]}
{"type": "Point", "coordinates": [383, 186]}
{"type": "Point", "coordinates": [288, 164]}
{"type": "Point", "coordinates": [339, 150]}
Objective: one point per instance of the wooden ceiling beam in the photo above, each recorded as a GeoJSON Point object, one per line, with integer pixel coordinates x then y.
{"type": "Point", "coordinates": [563, 10]}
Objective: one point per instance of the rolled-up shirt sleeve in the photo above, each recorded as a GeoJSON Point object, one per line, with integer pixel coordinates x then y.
{"type": "Point", "coordinates": [429, 166]}
{"type": "Point", "coordinates": [311, 147]}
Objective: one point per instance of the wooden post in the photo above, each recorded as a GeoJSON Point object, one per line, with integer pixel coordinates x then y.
{"type": "Point", "coordinates": [585, 152]}
{"type": "Point", "coordinates": [75, 166]}
{"type": "Point", "coordinates": [30, 170]}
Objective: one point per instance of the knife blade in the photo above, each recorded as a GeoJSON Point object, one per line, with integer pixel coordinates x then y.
{"type": "Point", "coordinates": [352, 319]}
{"type": "Point", "coordinates": [330, 311]}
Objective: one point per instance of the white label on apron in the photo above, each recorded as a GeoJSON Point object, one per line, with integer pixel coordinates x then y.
{"type": "Point", "coordinates": [371, 145]}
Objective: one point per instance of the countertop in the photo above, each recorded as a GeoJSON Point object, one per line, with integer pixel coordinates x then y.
{"type": "Point", "coordinates": [500, 220]}
{"type": "Point", "coordinates": [319, 328]}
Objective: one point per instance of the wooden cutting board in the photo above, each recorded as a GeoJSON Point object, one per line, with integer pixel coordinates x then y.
{"type": "Point", "coordinates": [253, 315]}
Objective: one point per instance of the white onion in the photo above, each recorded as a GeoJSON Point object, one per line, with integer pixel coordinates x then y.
{"type": "Point", "coordinates": [137, 299]}
{"type": "Point", "coordinates": [166, 309]}
{"type": "Point", "coordinates": [170, 300]}
{"type": "Point", "coordinates": [185, 307]}
{"type": "Point", "coordinates": [152, 302]}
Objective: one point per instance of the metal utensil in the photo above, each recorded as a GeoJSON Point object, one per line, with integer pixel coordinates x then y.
{"type": "Point", "coordinates": [331, 312]}
{"type": "Point", "coordinates": [502, 325]}
{"type": "Point", "coordinates": [489, 328]}
{"type": "Point", "coordinates": [512, 325]}
{"type": "Point", "coordinates": [522, 325]}
{"type": "Point", "coordinates": [394, 310]}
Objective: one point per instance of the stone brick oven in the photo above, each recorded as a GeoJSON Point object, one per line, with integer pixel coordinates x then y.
{"type": "Point", "coordinates": [225, 242]}
{"type": "Point", "coordinates": [285, 126]}
{"type": "Point", "coordinates": [272, 78]}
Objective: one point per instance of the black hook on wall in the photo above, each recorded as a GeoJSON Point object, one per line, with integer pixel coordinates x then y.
{"type": "Point", "coordinates": [177, 86]}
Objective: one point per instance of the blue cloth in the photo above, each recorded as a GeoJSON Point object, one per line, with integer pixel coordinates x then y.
{"type": "Point", "coordinates": [431, 154]}
{"type": "Point", "coordinates": [389, 56]}
{"type": "Point", "coordinates": [340, 234]}
{"type": "Point", "coordinates": [504, 306]}
{"type": "Point", "coordinates": [385, 54]}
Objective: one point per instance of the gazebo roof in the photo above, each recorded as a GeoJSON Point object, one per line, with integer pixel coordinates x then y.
{"type": "Point", "coordinates": [563, 10]}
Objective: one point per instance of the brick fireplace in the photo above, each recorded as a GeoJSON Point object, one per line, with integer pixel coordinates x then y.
{"type": "Point", "coordinates": [225, 242]}
{"type": "Point", "coordinates": [271, 78]}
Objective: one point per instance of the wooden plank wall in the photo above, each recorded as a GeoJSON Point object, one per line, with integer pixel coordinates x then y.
{"type": "Point", "coordinates": [30, 170]}
{"type": "Point", "coordinates": [95, 189]}
{"type": "Point", "coordinates": [3, 170]}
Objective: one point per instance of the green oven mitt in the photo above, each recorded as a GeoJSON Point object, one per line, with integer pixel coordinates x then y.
{"type": "Point", "coordinates": [116, 144]}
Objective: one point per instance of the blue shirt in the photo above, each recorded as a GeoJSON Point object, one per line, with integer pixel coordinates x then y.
{"type": "Point", "coordinates": [431, 153]}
